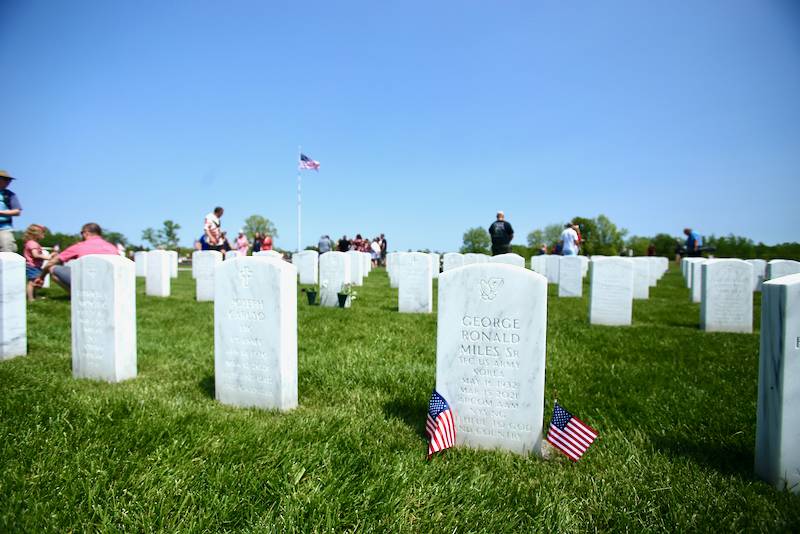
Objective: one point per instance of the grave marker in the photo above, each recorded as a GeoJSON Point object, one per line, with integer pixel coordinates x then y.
{"type": "Point", "coordinates": [570, 281]}
{"type": "Point", "coordinates": [334, 272]}
{"type": "Point", "coordinates": [727, 296]}
{"type": "Point", "coordinates": [306, 262]}
{"type": "Point", "coordinates": [140, 258]}
{"type": "Point", "coordinates": [157, 283]}
{"type": "Point", "coordinates": [778, 268]}
{"type": "Point", "coordinates": [641, 278]}
{"type": "Point", "coordinates": [611, 291]}
{"type": "Point", "coordinates": [452, 260]}
{"type": "Point", "coordinates": [415, 294]}
{"type": "Point", "coordinates": [13, 317]}
{"type": "Point", "coordinates": [204, 264]}
{"type": "Point", "coordinates": [509, 259]}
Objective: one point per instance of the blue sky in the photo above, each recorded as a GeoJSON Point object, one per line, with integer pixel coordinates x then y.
{"type": "Point", "coordinates": [427, 117]}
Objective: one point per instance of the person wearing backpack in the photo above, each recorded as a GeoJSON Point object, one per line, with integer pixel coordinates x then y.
{"type": "Point", "coordinates": [502, 233]}
{"type": "Point", "coordinates": [9, 208]}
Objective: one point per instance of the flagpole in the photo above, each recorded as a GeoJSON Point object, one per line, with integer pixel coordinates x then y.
{"type": "Point", "coordinates": [299, 202]}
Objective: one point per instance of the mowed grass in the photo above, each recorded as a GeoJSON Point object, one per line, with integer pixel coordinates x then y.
{"type": "Point", "coordinates": [675, 407]}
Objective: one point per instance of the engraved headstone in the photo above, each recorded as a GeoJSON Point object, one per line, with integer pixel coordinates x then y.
{"type": "Point", "coordinates": [435, 264]}
{"type": "Point", "coordinates": [778, 417]}
{"type": "Point", "coordinates": [393, 266]}
{"type": "Point", "coordinates": [471, 258]}
{"type": "Point", "coordinates": [696, 279]}
{"type": "Point", "coordinates": [641, 278]}
{"type": "Point", "coordinates": [509, 259]}
{"type": "Point", "coordinates": [653, 274]}
{"type": "Point", "coordinates": [611, 291]}
{"type": "Point", "coordinates": [173, 263]}
{"type": "Point", "coordinates": [140, 258]}
{"type": "Point", "coordinates": [306, 262]}
{"type": "Point", "coordinates": [727, 296]}
{"type": "Point", "coordinates": [759, 272]}
{"type": "Point", "coordinates": [687, 262]}
{"type": "Point", "coordinates": [778, 268]}
{"type": "Point", "coordinates": [255, 333]}
{"type": "Point", "coordinates": [415, 294]}
{"type": "Point", "coordinates": [204, 263]}
{"type": "Point", "coordinates": [539, 264]}
{"type": "Point", "coordinates": [663, 266]}
{"type": "Point", "coordinates": [269, 254]}
{"type": "Point", "coordinates": [103, 317]}
{"type": "Point", "coordinates": [334, 272]}
{"type": "Point", "coordinates": [13, 320]}
{"type": "Point", "coordinates": [552, 262]}
{"type": "Point", "coordinates": [157, 283]}
{"type": "Point", "coordinates": [452, 260]}
{"type": "Point", "coordinates": [356, 267]}
{"type": "Point", "coordinates": [570, 281]}
{"type": "Point", "coordinates": [490, 355]}
{"type": "Point", "coordinates": [584, 266]}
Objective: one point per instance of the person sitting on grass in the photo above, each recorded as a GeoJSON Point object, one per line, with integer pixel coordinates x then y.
{"type": "Point", "coordinates": [34, 257]}
{"type": "Point", "coordinates": [92, 243]}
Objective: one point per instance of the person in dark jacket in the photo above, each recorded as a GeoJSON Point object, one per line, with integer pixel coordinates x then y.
{"type": "Point", "coordinates": [501, 233]}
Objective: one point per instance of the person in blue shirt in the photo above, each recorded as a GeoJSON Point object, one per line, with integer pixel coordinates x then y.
{"type": "Point", "coordinates": [693, 243]}
{"type": "Point", "coordinates": [9, 208]}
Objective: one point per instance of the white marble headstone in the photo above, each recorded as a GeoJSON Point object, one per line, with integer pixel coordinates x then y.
{"type": "Point", "coordinates": [140, 258]}
{"type": "Point", "coordinates": [435, 264]}
{"type": "Point", "coordinates": [653, 271]}
{"type": "Point", "coordinates": [230, 254]}
{"type": "Point", "coordinates": [103, 317]}
{"type": "Point", "coordinates": [173, 263]}
{"type": "Point", "coordinates": [570, 281]}
{"type": "Point", "coordinates": [452, 260]}
{"type": "Point", "coordinates": [688, 266]}
{"type": "Point", "coordinates": [356, 267]}
{"type": "Point", "coordinates": [727, 296]}
{"type": "Point", "coordinates": [641, 277]}
{"type": "Point", "coordinates": [611, 291]}
{"type": "Point", "coordinates": [157, 283]}
{"type": "Point", "coordinates": [584, 266]}
{"type": "Point", "coordinates": [255, 333]}
{"type": "Point", "coordinates": [778, 417]}
{"type": "Point", "coordinates": [13, 320]}
{"type": "Point", "coordinates": [471, 258]}
{"type": "Point", "coordinates": [509, 259]}
{"type": "Point", "coordinates": [539, 264]}
{"type": "Point", "coordinates": [334, 272]}
{"type": "Point", "coordinates": [306, 262]}
{"type": "Point", "coordinates": [759, 272]}
{"type": "Point", "coordinates": [778, 268]}
{"type": "Point", "coordinates": [696, 279]}
{"type": "Point", "coordinates": [490, 355]}
{"type": "Point", "coordinates": [269, 254]}
{"type": "Point", "coordinates": [204, 264]}
{"type": "Point", "coordinates": [415, 294]}
{"type": "Point", "coordinates": [552, 264]}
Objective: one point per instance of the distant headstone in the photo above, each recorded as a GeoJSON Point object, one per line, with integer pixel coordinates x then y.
{"type": "Point", "coordinates": [759, 272]}
{"type": "Point", "coordinates": [509, 259]}
{"type": "Point", "coordinates": [490, 355]}
{"type": "Point", "coordinates": [173, 263]}
{"type": "Point", "coordinates": [334, 272]}
{"type": "Point", "coordinates": [653, 271]}
{"type": "Point", "coordinates": [539, 264]}
{"type": "Point", "coordinates": [778, 268]}
{"type": "Point", "coordinates": [255, 333]}
{"type": "Point", "coordinates": [584, 266]}
{"type": "Point", "coordinates": [696, 282]}
{"type": "Point", "coordinates": [687, 262]}
{"type": "Point", "coordinates": [204, 263]}
{"type": "Point", "coordinates": [415, 294]}
{"type": "Point", "coordinates": [552, 262]}
{"type": "Point", "coordinates": [230, 254]}
{"type": "Point", "coordinates": [663, 266]}
{"type": "Point", "coordinates": [274, 254]}
{"type": "Point", "coordinates": [727, 296]}
{"type": "Point", "coordinates": [157, 283]}
{"type": "Point", "coordinates": [356, 267]}
{"type": "Point", "coordinates": [611, 291]}
{"type": "Point", "coordinates": [103, 299]}
{"type": "Point", "coordinates": [570, 281]}
{"type": "Point", "coordinates": [435, 263]}
{"type": "Point", "coordinates": [392, 266]}
{"type": "Point", "coordinates": [641, 278]}
{"type": "Point", "coordinates": [471, 258]}
{"type": "Point", "coordinates": [452, 260]}
{"type": "Point", "coordinates": [13, 320]}
{"type": "Point", "coordinates": [140, 258]}
{"type": "Point", "coordinates": [778, 416]}
{"type": "Point", "coordinates": [306, 262]}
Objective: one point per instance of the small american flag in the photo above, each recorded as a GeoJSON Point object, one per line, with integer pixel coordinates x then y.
{"type": "Point", "coordinates": [308, 163]}
{"type": "Point", "coordinates": [440, 426]}
{"type": "Point", "coordinates": [569, 434]}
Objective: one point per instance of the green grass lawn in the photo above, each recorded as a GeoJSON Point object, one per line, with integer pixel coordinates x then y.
{"type": "Point", "coordinates": [675, 407]}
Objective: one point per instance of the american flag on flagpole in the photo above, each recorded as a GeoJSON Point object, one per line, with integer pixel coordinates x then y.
{"type": "Point", "coordinates": [308, 163]}
{"type": "Point", "coordinates": [440, 427]}
{"type": "Point", "coordinates": [569, 434]}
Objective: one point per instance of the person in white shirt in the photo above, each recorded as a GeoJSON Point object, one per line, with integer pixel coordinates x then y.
{"type": "Point", "coordinates": [376, 251]}
{"type": "Point", "coordinates": [569, 240]}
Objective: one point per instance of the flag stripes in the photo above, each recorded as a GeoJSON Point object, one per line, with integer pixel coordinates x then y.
{"type": "Point", "coordinates": [569, 434]}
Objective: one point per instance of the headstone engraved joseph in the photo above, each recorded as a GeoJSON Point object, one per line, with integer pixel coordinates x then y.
{"type": "Point", "coordinates": [490, 355]}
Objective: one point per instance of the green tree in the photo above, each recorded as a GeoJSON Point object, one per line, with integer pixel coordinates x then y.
{"type": "Point", "coordinates": [476, 240]}
{"type": "Point", "coordinates": [548, 236]}
{"type": "Point", "coordinates": [257, 223]}
{"type": "Point", "coordinates": [600, 236]}
{"type": "Point", "coordinates": [665, 244]}
{"type": "Point", "coordinates": [151, 236]}
{"type": "Point", "coordinates": [169, 234]}
{"type": "Point", "coordinates": [638, 244]}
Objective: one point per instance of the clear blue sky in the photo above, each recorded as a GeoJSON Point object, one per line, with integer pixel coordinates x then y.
{"type": "Point", "coordinates": [427, 117]}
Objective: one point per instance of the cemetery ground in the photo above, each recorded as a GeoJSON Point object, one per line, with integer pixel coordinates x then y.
{"type": "Point", "coordinates": [675, 408]}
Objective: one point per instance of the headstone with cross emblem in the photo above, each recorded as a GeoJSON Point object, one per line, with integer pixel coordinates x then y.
{"type": "Point", "coordinates": [103, 318]}
{"type": "Point", "coordinates": [13, 326]}
{"type": "Point", "coordinates": [158, 280]}
{"type": "Point", "coordinates": [778, 414]}
{"type": "Point", "coordinates": [415, 294]}
{"type": "Point", "coordinates": [255, 333]}
{"type": "Point", "coordinates": [490, 354]}
{"type": "Point", "coordinates": [204, 263]}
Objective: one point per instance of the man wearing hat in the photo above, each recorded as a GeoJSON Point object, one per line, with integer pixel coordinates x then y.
{"type": "Point", "coordinates": [9, 207]}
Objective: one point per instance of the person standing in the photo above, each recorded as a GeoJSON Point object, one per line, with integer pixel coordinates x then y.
{"type": "Point", "coordinates": [242, 244]}
{"type": "Point", "coordinates": [93, 243]}
{"type": "Point", "coordinates": [569, 240]}
{"type": "Point", "coordinates": [212, 230]}
{"type": "Point", "coordinates": [383, 250]}
{"type": "Point", "coordinates": [344, 244]}
{"type": "Point", "coordinates": [375, 249]}
{"type": "Point", "coordinates": [266, 243]}
{"type": "Point", "coordinates": [9, 208]}
{"type": "Point", "coordinates": [325, 244]}
{"type": "Point", "coordinates": [34, 257]}
{"type": "Point", "coordinates": [502, 233]}
{"type": "Point", "coordinates": [693, 243]}
{"type": "Point", "coordinates": [257, 242]}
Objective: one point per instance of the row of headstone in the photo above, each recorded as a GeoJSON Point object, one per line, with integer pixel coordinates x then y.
{"type": "Point", "coordinates": [762, 271]}
{"type": "Point", "coordinates": [395, 262]}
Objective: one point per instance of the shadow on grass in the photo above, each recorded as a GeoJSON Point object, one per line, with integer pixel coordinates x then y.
{"type": "Point", "coordinates": [390, 308]}
{"type": "Point", "coordinates": [412, 414]}
{"type": "Point", "coordinates": [207, 385]}
{"type": "Point", "coordinates": [727, 459]}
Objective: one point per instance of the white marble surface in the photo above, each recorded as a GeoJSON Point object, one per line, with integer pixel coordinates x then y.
{"type": "Point", "coordinates": [255, 333]}
{"type": "Point", "coordinates": [663, 266]}
{"type": "Point", "coordinates": [158, 279]}
{"type": "Point", "coordinates": [687, 263]}
{"type": "Point", "coordinates": [570, 281]}
{"type": "Point", "coordinates": [471, 258]}
{"type": "Point", "coordinates": [696, 280]}
{"type": "Point", "coordinates": [230, 254]}
{"type": "Point", "coordinates": [173, 263]}
{"type": "Point", "coordinates": [641, 278]}
{"type": "Point", "coordinates": [415, 294]}
{"type": "Point", "coordinates": [103, 308]}
{"type": "Point", "coordinates": [356, 267]}
{"type": "Point", "coordinates": [140, 258]}
{"type": "Point", "coordinates": [204, 264]}
{"type": "Point", "coordinates": [13, 317]}
{"type": "Point", "coordinates": [584, 266]}
{"type": "Point", "coordinates": [778, 416]}
{"type": "Point", "coordinates": [727, 296]}
{"type": "Point", "coordinates": [539, 264]}
{"type": "Point", "coordinates": [490, 355]}
{"type": "Point", "coordinates": [452, 260]}
{"type": "Point", "coordinates": [269, 254]}
{"type": "Point", "coordinates": [552, 262]}
{"type": "Point", "coordinates": [334, 272]}
{"type": "Point", "coordinates": [778, 268]}
{"type": "Point", "coordinates": [653, 271]}
{"type": "Point", "coordinates": [307, 264]}
{"type": "Point", "coordinates": [436, 261]}
{"type": "Point", "coordinates": [759, 272]}
{"type": "Point", "coordinates": [611, 291]}
{"type": "Point", "coordinates": [509, 259]}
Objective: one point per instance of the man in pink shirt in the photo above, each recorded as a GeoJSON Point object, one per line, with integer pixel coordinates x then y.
{"type": "Point", "coordinates": [93, 243]}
